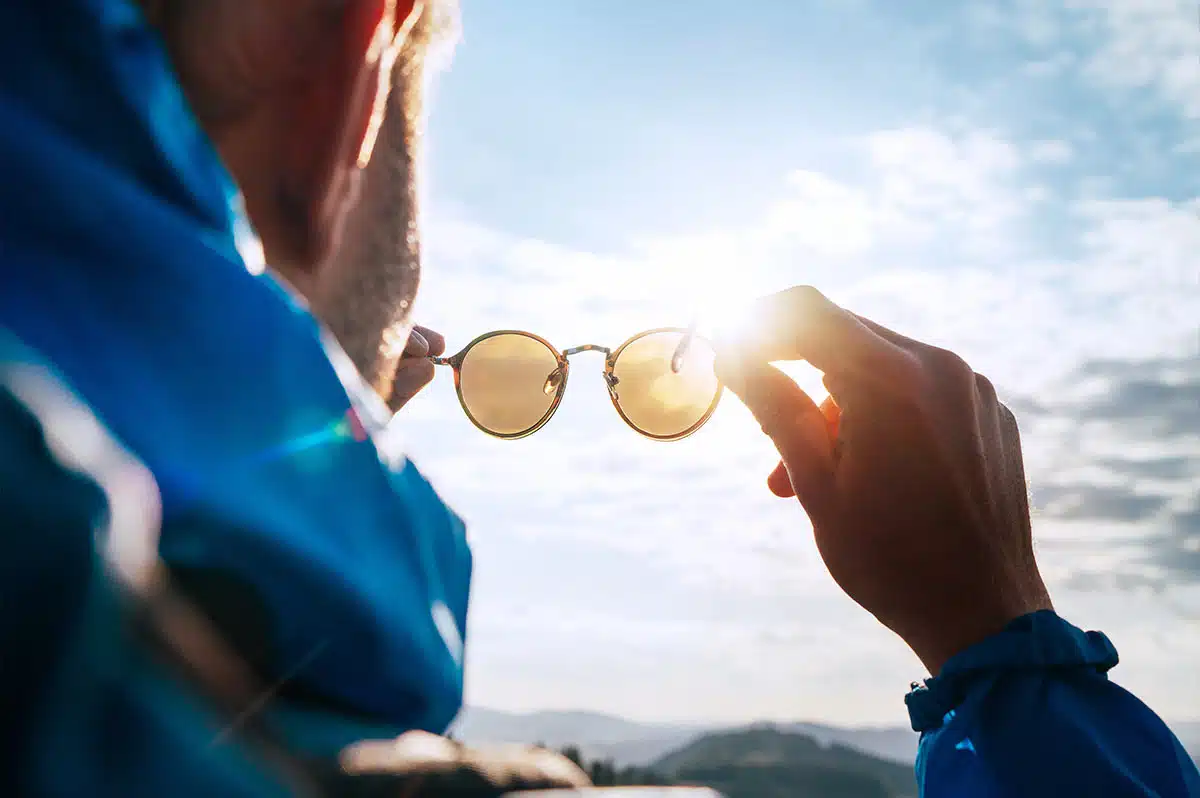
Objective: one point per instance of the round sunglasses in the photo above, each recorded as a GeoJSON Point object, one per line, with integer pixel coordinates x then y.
{"type": "Point", "coordinates": [661, 382]}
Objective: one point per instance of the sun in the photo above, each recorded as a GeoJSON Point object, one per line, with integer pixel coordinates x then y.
{"type": "Point", "coordinates": [736, 322]}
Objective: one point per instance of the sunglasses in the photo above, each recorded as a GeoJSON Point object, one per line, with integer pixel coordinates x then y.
{"type": "Point", "coordinates": [661, 382]}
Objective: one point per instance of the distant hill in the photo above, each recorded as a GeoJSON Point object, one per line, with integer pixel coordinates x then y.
{"type": "Point", "coordinates": [629, 743]}
{"type": "Point", "coordinates": [597, 736]}
{"type": "Point", "coordinates": [765, 762]}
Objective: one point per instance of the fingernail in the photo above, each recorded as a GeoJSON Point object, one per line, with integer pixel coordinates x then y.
{"type": "Point", "coordinates": [417, 345]}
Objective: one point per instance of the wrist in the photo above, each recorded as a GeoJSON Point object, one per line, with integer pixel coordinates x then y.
{"type": "Point", "coordinates": [970, 623]}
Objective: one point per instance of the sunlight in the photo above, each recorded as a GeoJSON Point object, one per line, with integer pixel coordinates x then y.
{"type": "Point", "coordinates": [737, 324]}
{"type": "Point", "coordinates": [806, 376]}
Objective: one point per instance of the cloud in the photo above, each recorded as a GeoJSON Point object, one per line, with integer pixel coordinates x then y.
{"type": "Point", "coordinates": [1145, 44]}
{"type": "Point", "coordinates": [1096, 502]}
{"type": "Point", "coordinates": [1157, 398]}
{"type": "Point", "coordinates": [1051, 151]}
{"type": "Point", "coordinates": [1126, 46]}
{"type": "Point", "coordinates": [929, 180]}
{"type": "Point", "coordinates": [1127, 455]}
{"type": "Point", "coordinates": [921, 187]}
{"type": "Point", "coordinates": [822, 215]}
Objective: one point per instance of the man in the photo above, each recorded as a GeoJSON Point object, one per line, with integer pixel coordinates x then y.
{"type": "Point", "coordinates": [286, 513]}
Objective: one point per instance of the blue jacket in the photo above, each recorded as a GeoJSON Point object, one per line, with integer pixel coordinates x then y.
{"type": "Point", "coordinates": [1031, 713]}
{"type": "Point", "coordinates": [85, 710]}
{"type": "Point", "coordinates": [281, 481]}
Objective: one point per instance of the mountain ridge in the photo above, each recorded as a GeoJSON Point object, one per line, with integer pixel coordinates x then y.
{"type": "Point", "coordinates": [633, 743]}
{"type": "Point", "coordinates": [765, 760]}
{"type": "Point", "coordinates": [640, 744]}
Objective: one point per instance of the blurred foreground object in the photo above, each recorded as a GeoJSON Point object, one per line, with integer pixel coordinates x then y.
{"type": "Point", "coordinates": [623, 792]}
{"type": "Point", "coordinates": [422, 764]}
{"type": "Point", "coordinates": [103, 656]}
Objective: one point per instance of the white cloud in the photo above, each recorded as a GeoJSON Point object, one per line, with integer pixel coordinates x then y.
{"type": "Point", "coordinates": [1147, 44]}
{"type": "Point", "coordinates": [824, 216]}
{"type": "Point", "coordinates": [932, 184]}
{"type": "Point", "coordinates": [1051, 151]}
{"type": "Point", "coordinates": [1119, 44]}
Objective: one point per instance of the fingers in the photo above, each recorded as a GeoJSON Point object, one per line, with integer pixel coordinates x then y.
{"type": "Point", "coordinates": [414, 752]}
{"type": "Point", "coordinates": [424, 342]}
{"type": "Point", "coordinates": [778, 481]}
{"type": "Point", "coordinates": [414, 371]}
{"type": "Point", "coordinates": [801, 324]}
{"type": "Point", "coordinates": [412, 374]}
{"type": "Point", "coordinates": [833, 416]}
{"type": "Point", "coordinates": [417, 345]}
{"type": "Point", "coordinates": [793, 422]}
{"type": "Point", "coordinates": [436, 342]}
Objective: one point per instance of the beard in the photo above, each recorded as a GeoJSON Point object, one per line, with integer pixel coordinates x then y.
{"type": "Point", "coordinates": [365, 292]}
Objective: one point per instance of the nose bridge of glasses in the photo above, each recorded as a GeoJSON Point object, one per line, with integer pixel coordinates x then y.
{"type": "Point", "coordinates": [575, 350]}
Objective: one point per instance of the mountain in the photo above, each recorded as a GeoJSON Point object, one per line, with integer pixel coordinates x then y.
{"type": "Point", "coordinates": [596, 735]}
{"type": "Point", "coordinates": [894, 743]}
{"type": "Point", "coordinates": [766, 761]}
{"type": "Point", "coordinates": [639, 744]}
{"type": "Point", "coordinates": [628, 743]}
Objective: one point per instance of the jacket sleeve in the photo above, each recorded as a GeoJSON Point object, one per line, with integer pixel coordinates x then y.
{"type": "Point", "coordinates": [1031, 712]}
{"type": "Point", "coordinates": [84, 709]}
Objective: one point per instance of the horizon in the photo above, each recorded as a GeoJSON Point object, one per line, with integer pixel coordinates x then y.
{"type": "Point", "coordinates": [1013, 179]}
{"type": "Point", "coordinates": [704, 726]}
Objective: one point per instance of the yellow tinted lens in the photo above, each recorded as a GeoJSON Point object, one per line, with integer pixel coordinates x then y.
{"type": "Point", "coordinates": [655, 399]}
{"type": "Point", "coordinates": [509, 383]}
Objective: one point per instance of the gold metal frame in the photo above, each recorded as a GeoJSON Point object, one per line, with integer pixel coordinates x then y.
{"type": "Point", "coordinates": [610, 379]}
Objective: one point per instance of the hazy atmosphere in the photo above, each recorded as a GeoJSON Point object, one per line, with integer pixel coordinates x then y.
{"type": "Point", "coordinates": [1018, 181]}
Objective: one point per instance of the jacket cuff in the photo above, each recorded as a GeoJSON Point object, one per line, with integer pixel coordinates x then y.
{"type": "Point", "coordinates": [1038, 641]}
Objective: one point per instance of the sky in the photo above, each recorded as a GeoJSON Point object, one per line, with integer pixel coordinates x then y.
{"type": "Point", "coordinates": [1017, 180]}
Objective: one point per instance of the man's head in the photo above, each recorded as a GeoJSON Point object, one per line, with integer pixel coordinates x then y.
{"type": "Point", "coordinates": [292, 93]}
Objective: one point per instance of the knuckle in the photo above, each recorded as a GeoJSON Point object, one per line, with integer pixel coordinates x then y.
{"type": "Point", "coordinates": [806, 297]}
{"type": "Point", "coordinates": [1007, 417]}
{"type": "Point", "coordinates": [946, 366]}
{"type": "Point", "coordinates": [945, 379]}
{"type": "Point", "coordinates": [986, 389]}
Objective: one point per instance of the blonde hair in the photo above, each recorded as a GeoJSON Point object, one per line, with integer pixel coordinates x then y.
{"type": "Point", "coordinates": [434, 35]}
{"type": "Point", "coordinates": [428, 48]}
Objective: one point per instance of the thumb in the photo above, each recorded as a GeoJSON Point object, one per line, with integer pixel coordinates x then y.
{"type": "Point", "coordinates": [792, 421]}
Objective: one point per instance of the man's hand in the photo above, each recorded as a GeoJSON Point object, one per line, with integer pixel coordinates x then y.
{"type": "Point", "coordinates": [911, 472]}
{"type": "Point", "coordinates": [414, 371]}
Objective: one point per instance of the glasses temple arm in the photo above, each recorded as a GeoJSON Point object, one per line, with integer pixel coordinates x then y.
{"type": "Point", "coordinates": [681, 350]}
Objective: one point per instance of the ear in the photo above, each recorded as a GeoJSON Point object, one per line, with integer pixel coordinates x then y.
{"type": "Point", "coordinates": [326, 118]}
